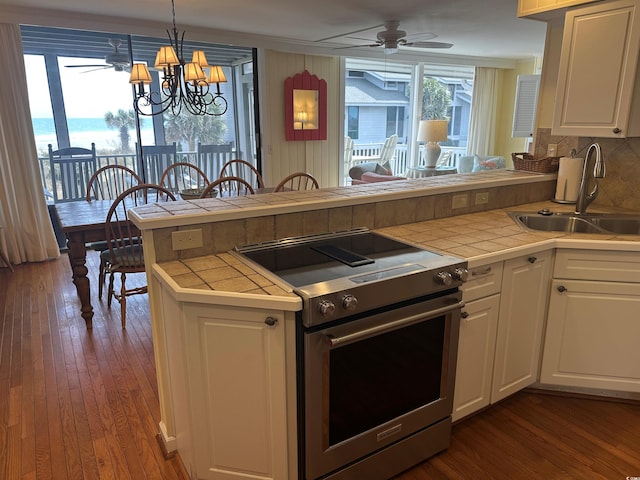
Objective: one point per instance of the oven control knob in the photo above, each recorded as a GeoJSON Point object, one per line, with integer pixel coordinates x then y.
{"type": "Point", "coordinates": [460, 274]}
{"type": "Point", "coordinates": [444, 278]}
{"type": "Point", "coordinates": [349, 302]}
{"type": "Point", "coordinates": [326, 308]}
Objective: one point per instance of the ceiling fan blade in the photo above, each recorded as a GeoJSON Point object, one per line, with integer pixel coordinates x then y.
{"type": "Point", "coordinates": [85, 66]}
{"type": "Point", "coordinates": [420, 37]}
{"type": "Point", "coordinates": [358, 46]}
{"type": "Point", "coordinates": [350, 33]}
{"type": "Point", "coordinates": [428, 44]}
{"type": "Point", "coordinates": [103, 67]}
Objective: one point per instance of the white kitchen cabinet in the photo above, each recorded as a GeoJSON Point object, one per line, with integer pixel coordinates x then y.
{"type": "Point", "coordinates": [476, 346]}
{"type": "Point", "coordinates": [237, 368]}
{"type": "Point", "coordinates": [598, 89]}
{"type": "Point", "coordinates": [523, 310]}
{"type": "Point", "coordinates": [532, 7]}
{"type": "Point", "coordinates": [593, 324]}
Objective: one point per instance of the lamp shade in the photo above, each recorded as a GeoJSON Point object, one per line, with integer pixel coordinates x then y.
{"type": "Point", "coordinates": [166, 57]}
{"type": "Point", "coordinates": [433, 131]}
{"type": "Point", "coordinates": [139, 74]}
{"type": "Point", "coordinates": [193, 72]}
{"type": "Point", "coordinates": [200, 58]}
{"type": "Point", "coordinates": [216, 75]}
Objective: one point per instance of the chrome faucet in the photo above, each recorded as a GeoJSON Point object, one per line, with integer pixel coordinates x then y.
{"type": "Point", "coordinates": [584, 198]}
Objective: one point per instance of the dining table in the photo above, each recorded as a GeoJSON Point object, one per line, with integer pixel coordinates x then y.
{"type": "Point", "coordinates": [82, 223]}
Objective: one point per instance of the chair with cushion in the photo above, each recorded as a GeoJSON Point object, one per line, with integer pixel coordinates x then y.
{"type": "Point", "coordinates": [243, 169]}
{"type": "Point", "coordinates": [106, 184]}
{"type": "Point", "coordinates": [371, 172]}
{"type": "Point", "coordinates": [125, 250]}
{"type": "Point", "coordinates": [71, 170]}
{"type": "Point", "coordinates": [228, 187]}
{"type": "Point", "coordinates": [183, 176]}
{"type": "Point", "coordinates": [297, 181]}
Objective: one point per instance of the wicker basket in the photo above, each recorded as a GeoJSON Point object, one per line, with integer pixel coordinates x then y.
{"type": "Point", "coordinates": [526, 161]}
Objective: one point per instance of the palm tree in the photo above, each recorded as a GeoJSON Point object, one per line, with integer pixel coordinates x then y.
{"type": "Point", "coordinates": [436, 100]}
{"type": "Point", "coordinates": [123, 121]}
{"type": "Point", "coordinates": [192, 129]}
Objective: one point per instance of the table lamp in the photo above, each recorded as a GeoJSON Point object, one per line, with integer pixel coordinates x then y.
{"type": "Point", "coordinates": [431, 132]}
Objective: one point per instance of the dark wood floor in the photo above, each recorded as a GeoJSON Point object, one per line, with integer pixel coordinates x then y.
{"type": "Point", "coordinates": [84, 405]}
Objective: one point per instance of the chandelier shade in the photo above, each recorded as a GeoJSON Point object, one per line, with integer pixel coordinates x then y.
{"type": "Point", "coordinates": [183, 84]}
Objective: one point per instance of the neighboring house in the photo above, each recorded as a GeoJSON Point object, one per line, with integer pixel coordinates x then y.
{"type": "Point", "coordinates": [377, 105]}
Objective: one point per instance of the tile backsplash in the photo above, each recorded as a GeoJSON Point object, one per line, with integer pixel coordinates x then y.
{"type": "Point", "coordinates": [621, 185]}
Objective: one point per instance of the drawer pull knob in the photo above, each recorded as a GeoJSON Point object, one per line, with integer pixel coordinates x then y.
{"type": "Point", "coordinates": [270, 321]}
{"type": "Point", "coordinates": [532, 259]}
{"type": "Point", "coordinates": [464, 314]}
{"type": "Point", "coordinates": [562, 288]}
{"type": "Point", "coordinates": [616, 130]}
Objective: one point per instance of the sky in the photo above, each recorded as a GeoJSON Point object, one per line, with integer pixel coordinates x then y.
{"type": "Point", "coordinates": [87, 93]}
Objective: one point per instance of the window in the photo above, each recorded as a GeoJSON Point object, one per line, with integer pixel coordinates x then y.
{"type": "Point", "coordinates": [380, 93]}
{"type": "Point", "coordinates": [353, 117]}
{"type": "Point", "coordinates": [78, 83]}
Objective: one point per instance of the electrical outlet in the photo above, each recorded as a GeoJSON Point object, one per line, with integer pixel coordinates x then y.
{"type": "Point", "coordinates": [184, 239]}
{"type": "Point", "coordinates": [552, 149]}
{"type": "Point", "coordinates": [482, 198]}
{"type": "Point", "coordinates": [459, 201]}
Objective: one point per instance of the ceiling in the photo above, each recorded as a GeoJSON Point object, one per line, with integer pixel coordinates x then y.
{"type": "Point", "coordinates": [487, 28]}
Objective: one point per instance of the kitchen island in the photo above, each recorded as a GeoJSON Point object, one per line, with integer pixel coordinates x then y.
{"type": "Point", "coordinates": [224, 331]}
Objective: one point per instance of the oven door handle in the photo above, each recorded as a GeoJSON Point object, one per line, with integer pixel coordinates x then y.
{"type": "Point", "coordinates": [369, 332]}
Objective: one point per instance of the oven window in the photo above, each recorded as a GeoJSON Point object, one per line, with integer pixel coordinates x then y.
{"type": "Point", "coordinates": [380, 378]}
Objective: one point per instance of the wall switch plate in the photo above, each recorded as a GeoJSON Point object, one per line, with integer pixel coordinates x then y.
{"type": "Point", "coordinates": [552, 149]}
{"type": "Point", "coordinates": [184, 239]}
{"type": "Point", "coordinates": [459, 201]}
{"type": "Point", "coordinates": [482, 198]}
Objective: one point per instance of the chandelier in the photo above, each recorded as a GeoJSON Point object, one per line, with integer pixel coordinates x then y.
{"type": "Point", "coordinates": [184, 84]}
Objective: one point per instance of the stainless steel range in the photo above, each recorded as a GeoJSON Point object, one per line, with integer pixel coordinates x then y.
{"type": "Point", "coordinates": [376, 349]}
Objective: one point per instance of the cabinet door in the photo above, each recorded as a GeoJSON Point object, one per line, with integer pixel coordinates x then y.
{"type": "Point", "coordinates": [592, 336]}
{"type": "Point", "coordinates": [531, 7]}
{"type": "Point", "coordinates": [597, 75]}
{"type": "Point", "coordinates": [237, 373]}
{"type": "Point", "coordinates": [523, 309]}
{"type": "Point", "coordinates": [476, 348]}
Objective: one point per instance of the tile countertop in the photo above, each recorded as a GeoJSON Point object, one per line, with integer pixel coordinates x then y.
{"type": "Point", "coordinates": [480, 238]}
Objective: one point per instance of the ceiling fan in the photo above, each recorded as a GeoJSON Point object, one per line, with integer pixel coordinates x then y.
{"type": "Point", "coordinates": [117, 60]}
{"type": "Point", "coordinates": [391, 39]}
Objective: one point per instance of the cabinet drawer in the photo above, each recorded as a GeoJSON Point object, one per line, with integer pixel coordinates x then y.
{"type": "Point", "coordinates": [483, 281]}
{"type": "Point", "coordinates": [597, 265]}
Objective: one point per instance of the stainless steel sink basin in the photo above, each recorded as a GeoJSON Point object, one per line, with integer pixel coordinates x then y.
{"type": "Point", "coordinates": [548, 221]}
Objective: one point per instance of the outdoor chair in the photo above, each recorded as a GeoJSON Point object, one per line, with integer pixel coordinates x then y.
{"type": "Point", "coordinates": [297, 181]}
{"type": "Point", "coordinates": [228, 187]}
{"type": "Point", "coordinates": [211, 158]}
{"type": "Point", "coordinates": [244, 170]}
{"type": "Point", "coordinates": [106, 184]}
{"type": "Point", "coordinates": [71, 170]}
{"type": "Point", "coordinates": [124, 254]}
{"type": "Point", "coordinates": [156, 159]}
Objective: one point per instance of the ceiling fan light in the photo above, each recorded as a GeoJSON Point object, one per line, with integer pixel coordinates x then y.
{"type": "Point", "coordinates": [390, 50]}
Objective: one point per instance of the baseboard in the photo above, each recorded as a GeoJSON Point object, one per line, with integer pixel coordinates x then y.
{"type": "Point", "coordinates": [588, 393]}
{"type": "Point", "coordinates": [167, 443]}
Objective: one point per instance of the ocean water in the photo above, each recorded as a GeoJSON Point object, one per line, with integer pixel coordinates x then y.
{"type": "Point", "coordinates": [85, 131]}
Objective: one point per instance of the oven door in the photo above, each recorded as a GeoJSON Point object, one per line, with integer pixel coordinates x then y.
{"type": "Point", "coordinates": [377, 379]}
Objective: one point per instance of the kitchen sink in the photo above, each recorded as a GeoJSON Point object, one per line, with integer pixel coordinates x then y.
{"type": "Point", "coordinates": [547, 221]}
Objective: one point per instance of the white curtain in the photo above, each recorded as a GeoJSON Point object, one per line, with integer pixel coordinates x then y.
{"type": "Point", "coordinates": [28, 234]}
{"type": "Point", "coordinates": [482, 127]}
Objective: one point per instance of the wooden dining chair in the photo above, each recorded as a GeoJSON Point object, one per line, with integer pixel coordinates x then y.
{"type": "Point", "coordinates": [124, 254]}
{"type": "Point", "coordinates": [244, 170]}
{"type": "Point", "coordinates": [183, 176]}
{"type": "Point", "coordinates": [106, 184]}
{"type": "Point", "coordinates": [228, 187]}
{"type": "Point", "coordinates": [297, 181]}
